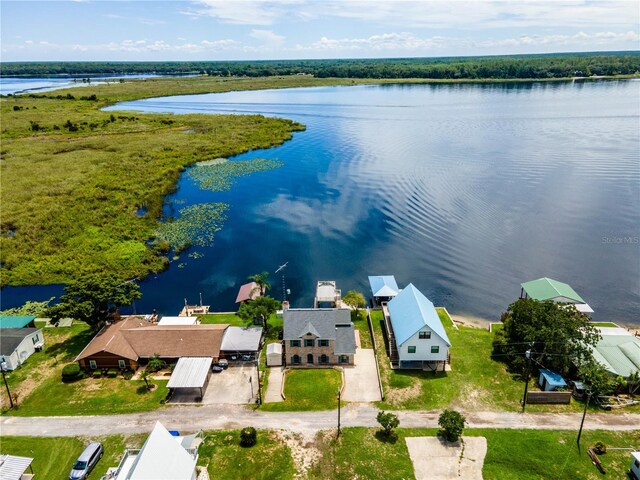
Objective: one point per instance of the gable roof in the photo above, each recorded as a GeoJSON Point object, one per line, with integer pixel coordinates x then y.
{"type": "Point", "coordinates": [324, 323]}
{"type": "Point", "coordinates": [548, 289]}
{"type": "Point", "coordinates": [248, 291]}
{"type": "Point", "coordinates": [162, 458]}
{"type": "Point", "coordinates": [133, 338]}
{"type": "Point", "coordinates": [299, 321]}
{"type": "Point", "coordinates": [383, 286]}
{"type": "Point", "coordinates": [410, 311]}
{"type": "Point", "coordinates": [618, 351]}
{"type": "Point", "coordinates": [15, 321]}
{"type": "Point", "coordinates": [10, 338]}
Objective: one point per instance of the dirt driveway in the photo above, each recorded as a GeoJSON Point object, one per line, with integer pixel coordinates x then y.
{"type": "Point", "coordinates": [361, 380]}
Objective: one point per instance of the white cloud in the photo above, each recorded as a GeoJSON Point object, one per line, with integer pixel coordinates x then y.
{"type": "Point", "coordinates": [243, 12]}
{"type": "Point", "coordinates": [268, 38]}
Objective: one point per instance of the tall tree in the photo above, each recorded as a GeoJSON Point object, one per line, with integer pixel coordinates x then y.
{"type": "Point", "coordinates": [259, 309]}
{"type": "Point", "coordinates": [556, 334]}
{"type": "Point", "coordinates": [355, 300]}
{"type": "Point", "coordinates": [262, 280]}
{"type": "Point", "coordinates": [94, 298]}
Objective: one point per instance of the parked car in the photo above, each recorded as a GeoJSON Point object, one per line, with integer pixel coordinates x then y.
{"type": "Point", "coordinates": [216, 369]}
{"type": "Point", "coordinates": [86, 461]}
{"type": "Point", "coordinates": [223, 363]}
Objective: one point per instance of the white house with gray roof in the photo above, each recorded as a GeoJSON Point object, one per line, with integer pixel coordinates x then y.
{"type": "Point", "coordinates": [417, 337]}
{"type": "Point", "coordinates": [318, 337]}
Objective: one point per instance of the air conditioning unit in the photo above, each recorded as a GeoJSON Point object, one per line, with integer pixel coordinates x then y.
{"type": "Point", "coordinates": [38, 347]}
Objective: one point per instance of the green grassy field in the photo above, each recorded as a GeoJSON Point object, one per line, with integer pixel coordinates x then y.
{"type": "Point", "coordinates": [75, 178]}
{"type": "Point", "coordinates": [312, 389]}
{"type": "Point", "coordinates": [475, 382]}
{"type": "Point", "coordinates": [357, 453]}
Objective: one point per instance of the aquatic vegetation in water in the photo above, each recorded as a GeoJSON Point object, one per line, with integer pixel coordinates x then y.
{"type": "Point", "coordinates": [196, 255]}
{"type": "Point", "coordinates": [196, 225]}
{"type": "Point", "coordinates": [218, 174]}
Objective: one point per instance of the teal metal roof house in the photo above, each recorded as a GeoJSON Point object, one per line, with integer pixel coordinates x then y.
{"type": "Point", "coordinates": [617, 351]}
{"type": "Point", "coordinates": [420, 337]}
{"type": "Point", "coordinates": [383, 287]}
{"type": "Point", "coordinates": [17, 321]}
{"type": "Point", "coordinates": [545, 288]}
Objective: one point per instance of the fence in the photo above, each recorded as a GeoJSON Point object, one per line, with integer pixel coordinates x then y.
{"type": "Point", "coordinates": [549, 397]}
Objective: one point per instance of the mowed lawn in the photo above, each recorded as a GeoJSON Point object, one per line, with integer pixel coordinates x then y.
{"type": "Point", "coordinates": [221, 453]}
{"type": "Point", "coordinates": [511, 454]}
{"type": "Point", "coordinates": [41, 391]}
{"type": "Point", "coordinates": [312, 389]}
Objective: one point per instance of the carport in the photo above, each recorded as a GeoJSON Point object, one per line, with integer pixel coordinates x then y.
{"type": "Point", "coordinates": [191, 372]}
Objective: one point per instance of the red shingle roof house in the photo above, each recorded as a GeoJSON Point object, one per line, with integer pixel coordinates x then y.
{"type": "Point", "coordinates": [129, 342]}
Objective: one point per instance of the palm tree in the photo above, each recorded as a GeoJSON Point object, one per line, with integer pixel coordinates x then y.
{"type": "Point", "coordinates": [261, 280]}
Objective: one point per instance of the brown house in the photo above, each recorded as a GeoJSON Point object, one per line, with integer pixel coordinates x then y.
{"type": "Point", "coordinates": [132, 341]}
{"type": "Point", "coordinates": [318, 337]}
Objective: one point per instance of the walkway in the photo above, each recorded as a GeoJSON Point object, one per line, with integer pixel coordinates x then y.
{"type": "Point", "coordinates": [274, 387]}
{"type": "Point", "coordinates": [234, 417]}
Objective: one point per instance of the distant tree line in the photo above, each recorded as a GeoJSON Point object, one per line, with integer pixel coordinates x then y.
{"type": "Point", "coordinates": [453, 68]}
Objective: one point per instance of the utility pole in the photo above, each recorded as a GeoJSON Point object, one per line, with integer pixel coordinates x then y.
{"type": "Point", "coordinates": [3, 367]}
{"type": "Point", "coordinates": [584, 414]}
{"type": "Point", "coordinates": [526, 382]}
{"type": "Point", "coordinates": [338, 412]}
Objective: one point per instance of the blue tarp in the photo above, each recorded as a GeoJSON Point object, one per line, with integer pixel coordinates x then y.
{"type": "Point", "coordinates": [553, 379]}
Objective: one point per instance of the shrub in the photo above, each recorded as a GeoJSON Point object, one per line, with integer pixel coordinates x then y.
{"type": "Point", "coordinates": [71, 371]}
{"type": "Point", "coordinates": [127, 374]}
{"type": "Point", "coordinates": [112, 373]}
{"type": "Point", "coordinates": [248, 437]}
{"type": "Point", "coordinates": [389, 421]}
{"type": "Point", "coordinates": [96, 374]}
{"type": "Point", "coordinates": [600, 448]}
{"type": "Point", "coordinates": [451, 425]}
{"type": "Point", "coordinates": [156, 363]}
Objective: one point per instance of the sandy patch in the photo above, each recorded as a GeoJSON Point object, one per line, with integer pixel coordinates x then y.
{"type": "Point", "coordinates": [436, 459]}
{"type": "Point", "coordinates": [304, 451]}
{"type": "Point", "coordinates": [472, 321]}
{"type": "Point", "coordinates": [396, 396]}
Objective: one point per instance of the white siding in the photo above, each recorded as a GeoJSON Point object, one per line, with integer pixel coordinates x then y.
{"type": "Point", "coordinates": [24, 350]}
{"type": "Point", "coordinates": [423, 347]}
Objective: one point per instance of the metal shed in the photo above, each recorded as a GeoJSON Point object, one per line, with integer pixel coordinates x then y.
{"type": "Point", "coordinates": [274, 355]}
{"type": "Point", "coordinates": [549, 380]}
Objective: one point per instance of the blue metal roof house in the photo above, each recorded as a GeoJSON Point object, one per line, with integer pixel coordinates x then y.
{"type": "Point", "coordinates": [549, 380]}
{"type": "Point", "coordinates": [418, 335]}
{"type": "Point", "coordinates": [383, 288]}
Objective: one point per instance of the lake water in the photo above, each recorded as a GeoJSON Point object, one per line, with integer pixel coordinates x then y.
{"type": "Point", "coordinates": [18, 85]}
{"type": "Point", "coordinates": [464, 190]}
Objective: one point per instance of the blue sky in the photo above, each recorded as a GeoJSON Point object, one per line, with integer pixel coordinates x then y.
{"type": "Point", "coordinates": [289, 29]}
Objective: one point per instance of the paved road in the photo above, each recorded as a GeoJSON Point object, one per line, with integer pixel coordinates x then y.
{"type": "Point", "coordinates": [217, 417]}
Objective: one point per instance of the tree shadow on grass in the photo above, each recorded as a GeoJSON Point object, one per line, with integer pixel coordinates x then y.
{"type": "Point", "coordinates": [383, 437]}
{"type": "Point", "coordinates": [70, 347]}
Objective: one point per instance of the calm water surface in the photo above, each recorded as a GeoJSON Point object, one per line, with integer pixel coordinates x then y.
{"type": "Point", "coordinates": [464, 190]}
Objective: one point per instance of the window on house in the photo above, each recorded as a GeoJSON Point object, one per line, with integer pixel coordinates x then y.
{"type": "Point", "coordinates": [296, 359]}
{"type": "Point", "coordinates": [424, 335]}
{"type": "Point", "coordinates": [323, 343]}
{"type": "Point", "coordinates": [310, 358]}
{"type": "Point", "coordinates": [324, 359]}
{"type": "Point", "coordinates": [411, 349]}
{"type": "Point", "coordinates": [294, 343]}
{"type": "Point", "coordinates": [122, 364]}
{"type": "Point", "coordinates": [92, 364]}
{"type": "Point", "coordinates": [35, 339]}
{"type": "Point", "coordinates": [308, 342]}
{"type": "Point", "coordinates": [435, 349]}
{"type": "Point", "coordinates": [343, 359]}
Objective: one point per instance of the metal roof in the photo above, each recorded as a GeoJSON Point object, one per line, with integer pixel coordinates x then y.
{"type": "Point", "coordinates": [178, 321]}
{"type": "Point", "coordinates": [162, 457]}
{"type": "Point", "coordinates": [248, 291]}
{"type": "Point", "coordinates": [549, 289]}
{"type": "Point", "coordinates": [383, 286]}
{"type": "Point", "coordinates": [241, 339]}
{"type": "Point", "coordinates": [618, 351]}
{"type": "Point", "coordinates": [15, 321]}
{"type": "Point", "coordinates": [190, 372]}
{"type": "Point", "coordinates": [410, 310]}
{"type": "Point", "coordinates": [12, 467]}
{"type": "Point", "coordinates": [274, 348]}
{"type": "Point", "coordinates": [554, 379]}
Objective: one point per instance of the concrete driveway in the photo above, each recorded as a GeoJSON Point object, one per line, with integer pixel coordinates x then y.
{"type": "Point", "coordinates": [361, 380]}
{"type": "Point", "coordinates": [274, 387]}
{"type": "Point", "coordinates": [229, 386]}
